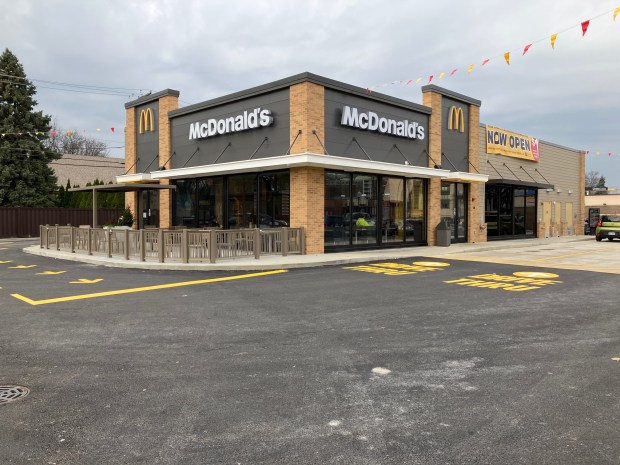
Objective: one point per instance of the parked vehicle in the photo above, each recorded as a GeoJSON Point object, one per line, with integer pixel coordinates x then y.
{"type": "Point", "coordinates": [608, 226]}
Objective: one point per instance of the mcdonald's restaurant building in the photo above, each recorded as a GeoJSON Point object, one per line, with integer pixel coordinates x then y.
{"type": "Point", "coordinates": [355, 169]}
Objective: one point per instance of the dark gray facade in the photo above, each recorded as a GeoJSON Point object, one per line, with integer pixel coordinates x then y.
{"type": "Point", "coordinates": [454, 135]}
{"type": "Point", "coordinates": [339, 139]}
{"type": "Point", "coordinates": [147, 136]}
{"type": "Point", "coordinates": [243, 144]}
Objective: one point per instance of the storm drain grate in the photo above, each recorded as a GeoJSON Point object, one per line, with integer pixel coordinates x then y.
{"type": "Point", "coordinates": [12, 393]}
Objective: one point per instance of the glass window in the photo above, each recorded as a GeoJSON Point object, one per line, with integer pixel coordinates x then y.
{"type": "Point", "coordinates": [274, 199]}
{"type": "Point", "coordinates": [448, 205]}
{"type": "Point", "coordinates": [415, 217]}
{"type": "Point", "coordinates": [393, 209]}
{"type": "Point", "coordinates": [518, 211]}
{"type": "Point", "coordinates": [363, 216]}
{"type": "Point", "coordinates": [337, 208]}
{"type": "Point", "coordinates": [185, 203]}
{"type": "Point", "coordinates": [210, 202]}
{"type": "Point", "coordinates": [505, 211]}
{"type": "Point", "coordinates": [491, 210]}
{"type": "Point", "coordinates": [242, 201]}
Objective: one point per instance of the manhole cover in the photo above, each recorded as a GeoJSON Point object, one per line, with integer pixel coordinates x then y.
{"type": "Point", "coordinates": [12, 393]}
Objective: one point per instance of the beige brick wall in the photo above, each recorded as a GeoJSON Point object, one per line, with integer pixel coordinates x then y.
{"type": "Point", "coordinates": [307, 104]}
{"type": "Point", "coordinates": [131, 198]}
{"type": "Point", "coordinates": [307, 205]}
{"type": "Point", "coordinates": [166, 104]}
{"type": "Point", "coordinates": [476, 229]}
{"type": "Point", "coordinates": [433, 100]}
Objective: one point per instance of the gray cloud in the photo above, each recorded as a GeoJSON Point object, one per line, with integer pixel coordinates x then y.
{"type": "Point", "coordinates": [206, 49]}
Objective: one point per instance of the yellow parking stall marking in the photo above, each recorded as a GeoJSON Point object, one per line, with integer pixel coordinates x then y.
{"type": "Point", "coordinates": [86, 281]}
{"type": "Point", "coordinates": [6, 261]}
{"type": "Point", "coordinates": [4, 248]}
{"type": "Point", "coordinates": [397, 269]}
{"type": "Point", "coordinates": [52, 272]}
{"type": "Point", "coordinates": [616, 359]}
{"type": "Point", "coordinates": [143, 289]}
{"type": "Point", "coordinates": [431, 263]}
{"type": "Point", "coordinates": [535, 274]}
{"type": "Point", "coordinates": [521, 281]}
{"type": "Point", "coordinates": [21, 267]}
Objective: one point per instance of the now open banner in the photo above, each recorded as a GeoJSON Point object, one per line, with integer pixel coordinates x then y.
{"type": "Point", "coordinates": [511, 144]}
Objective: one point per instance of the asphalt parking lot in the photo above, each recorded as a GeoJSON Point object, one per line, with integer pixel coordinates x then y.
{"type": "Point", "coordinates": [402, 361]}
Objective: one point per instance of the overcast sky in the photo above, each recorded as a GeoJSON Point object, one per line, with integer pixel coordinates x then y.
{"type": "Point", "coordinates": [205, 49]}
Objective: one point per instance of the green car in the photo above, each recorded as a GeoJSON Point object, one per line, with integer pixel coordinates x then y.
{"type": "Point", "coordinates": [608, 226]}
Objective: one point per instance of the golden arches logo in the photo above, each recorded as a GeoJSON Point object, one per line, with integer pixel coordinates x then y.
{"type": "Point", "coordinates": [146, 120]}
{"type": "Point", "coordinates": [456, 120]}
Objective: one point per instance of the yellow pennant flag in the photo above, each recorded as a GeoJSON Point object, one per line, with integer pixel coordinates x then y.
{"type": "Point", "coordinates": [507, 57]}
{"type": "Point", "coordinates": [69, 133]}
{"type": "Point", "coordinates": [553, 37]}
{"type": "Point", "coordinates": [440, 76]}
{"type": "Point", "coordinates": [418, 80]}
{"type": "Point", "coordinates": [616, 11]}
{"type": "Point", "coordinates": [471, 67]}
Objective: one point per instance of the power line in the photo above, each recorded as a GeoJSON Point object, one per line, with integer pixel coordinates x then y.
{"type": "Point", "coordinates": [68, 84]}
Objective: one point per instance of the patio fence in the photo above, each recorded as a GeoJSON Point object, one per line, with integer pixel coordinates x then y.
{"type": "Point", "coordinates": [184, 246]}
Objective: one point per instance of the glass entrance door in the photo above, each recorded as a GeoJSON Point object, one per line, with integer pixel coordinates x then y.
{"type": "Point", "coordinates": [454, 209]}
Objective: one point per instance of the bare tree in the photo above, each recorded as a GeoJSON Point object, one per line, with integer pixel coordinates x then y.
{"type": "Point", "coordinates": [592, 179]}
{"type": "Point", "coordinates": [69, 142]}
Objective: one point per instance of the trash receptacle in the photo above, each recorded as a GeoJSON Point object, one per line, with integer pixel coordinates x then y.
{"type": "Point", "coordinates": [444, 234]}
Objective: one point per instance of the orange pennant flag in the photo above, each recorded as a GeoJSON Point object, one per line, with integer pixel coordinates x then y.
{"type": "Point", "coordinates": [584, 27]}
{"type": "Point", "coordinates": [526, 48]}
{"type": "Point", "coordinates": [507, 57]}
{"type": "Point", "coordinates": [553, 37]}
{"type": "Point", "coordinates": [616, 11]}
{"type": "Point", "coordinates": [471, 67]}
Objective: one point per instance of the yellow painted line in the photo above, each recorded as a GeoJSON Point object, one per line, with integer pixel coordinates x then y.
{"type": "Point", "coordinates": [52, 272]}
{"type": "Point", "coordinates": [143, 289]}
{"type": "Point", "coordinates": [21, 267]}
{"type": "Point", "coordinates": [561, 256]}
{"type": "Point", "coordinates": [86, 281]}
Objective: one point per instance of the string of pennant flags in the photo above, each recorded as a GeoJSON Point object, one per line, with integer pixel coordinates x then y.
{"type": "Point", "coordinates": [584, 25]}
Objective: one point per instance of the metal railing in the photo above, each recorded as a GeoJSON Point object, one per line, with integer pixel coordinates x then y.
{"type": "Point", "coordinates": [162, 245]}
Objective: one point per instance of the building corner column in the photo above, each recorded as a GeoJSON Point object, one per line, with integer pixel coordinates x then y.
{"type": "Point", "coordinates": [131, 154]}
{"type": "Point", "coordinates": [166, 104]}
{"type": "Point", "coordinates": [433, 100]}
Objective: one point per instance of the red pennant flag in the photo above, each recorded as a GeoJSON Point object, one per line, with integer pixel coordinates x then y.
{"type": "Point", "coordinates": [527, 47]}
{"type": "Point", "coordinates": [53, 133]}
{"type": "Point", "coordinates": [587, 152]}
{"type": "Point", "coordinates": [584, 27]}
{"type": "Point", "coordinates": [453, 71]}
{"type": "Point", "coordinates": [609, 154]}
{"type": "Point", "coordinates": [430, 78]}
{"type": "Point", "coordinates": [485, 61]}
{"type": "Point", "coordinates": [112, 129]}
{"type": "Point", "coordinates": [409, 82]}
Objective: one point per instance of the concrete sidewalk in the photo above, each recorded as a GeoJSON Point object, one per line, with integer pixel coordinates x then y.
{"type": "Point", "coordinates": [272, 262]}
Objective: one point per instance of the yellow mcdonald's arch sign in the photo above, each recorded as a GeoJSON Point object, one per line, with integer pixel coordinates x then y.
{"type": "Point", "coordinates": [146, 120]}
{"type": "Point", "coordinates": [456, 120]}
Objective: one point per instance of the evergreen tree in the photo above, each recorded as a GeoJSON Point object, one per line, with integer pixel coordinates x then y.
{"type": "Point", "coordinates": [26, 180]}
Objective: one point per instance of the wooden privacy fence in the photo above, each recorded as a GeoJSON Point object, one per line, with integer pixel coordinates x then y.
{"type": "Point", "coordinates": [185, 246]}
{"type": "Point", "coordinates": [25, 221]}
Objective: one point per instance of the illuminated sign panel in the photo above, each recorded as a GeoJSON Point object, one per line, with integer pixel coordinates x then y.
{"type": "Point", "coordinates": [252, 119]}
{"type": "Point", "coordinates": [371, 121]}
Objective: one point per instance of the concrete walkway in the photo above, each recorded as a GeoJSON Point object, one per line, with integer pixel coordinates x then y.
{"type": "Point", "coordinates": [271, 262]}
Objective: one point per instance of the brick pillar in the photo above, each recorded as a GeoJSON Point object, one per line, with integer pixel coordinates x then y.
{"type": "Point", "coordinates": [131, 154]}
{"type": "Point", "coordinates": [307, 105]}
{"type": "Point", "coordinates": [307, 205]}
{"type": "Point", "coordinates": [476, 227]}
{"type": "Point", "coordinates": [433, 100]}
{"type": "Point", "coordinates": [166, 104]}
